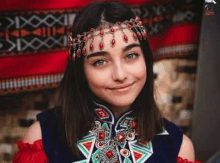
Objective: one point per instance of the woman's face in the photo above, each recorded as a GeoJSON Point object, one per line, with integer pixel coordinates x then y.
{"type": "Point", "coordinates": [116, 74]}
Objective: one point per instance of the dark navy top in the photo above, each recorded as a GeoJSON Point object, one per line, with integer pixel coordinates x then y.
{"type": "Point", "coordinates": [164, 148]}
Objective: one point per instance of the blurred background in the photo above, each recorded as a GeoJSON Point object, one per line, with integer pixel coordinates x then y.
{"type": "Point", "coordinates": [184, 37]}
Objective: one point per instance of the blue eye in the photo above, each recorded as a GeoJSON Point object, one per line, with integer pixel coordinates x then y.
{"type": "Point", "coordinates": [99, 63]}
{"type": "Point", "coordinates": [132, 56]}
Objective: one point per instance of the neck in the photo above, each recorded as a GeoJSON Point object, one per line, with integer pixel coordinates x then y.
{"type": "Point", "coordinates": [118, 111]}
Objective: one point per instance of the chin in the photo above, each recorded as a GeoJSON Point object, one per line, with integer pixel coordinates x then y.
{"type": "Point", "coordinates": [120, 102]}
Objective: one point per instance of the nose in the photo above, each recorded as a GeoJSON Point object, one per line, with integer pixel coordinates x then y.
{"type": "Point", "coordinates": [119, 73]}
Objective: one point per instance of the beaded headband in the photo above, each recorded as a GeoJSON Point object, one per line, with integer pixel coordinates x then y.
{"type": "Point", "coordinates": [76, 44]}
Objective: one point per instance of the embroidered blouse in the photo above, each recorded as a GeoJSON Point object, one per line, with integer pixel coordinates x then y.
{"type": "Point", "coordinates": [98, 146]}
{"type": "Point", "coordinates": [34, 153]}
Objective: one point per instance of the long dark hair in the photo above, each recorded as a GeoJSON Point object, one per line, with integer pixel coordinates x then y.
{"type": "Point", "coordinates": [76, 95]}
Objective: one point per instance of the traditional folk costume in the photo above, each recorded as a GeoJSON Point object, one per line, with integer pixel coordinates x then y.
{"type": "Point", "coordinates": [110, 140]}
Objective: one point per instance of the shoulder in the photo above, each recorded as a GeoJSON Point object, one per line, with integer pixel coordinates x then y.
{"type": "Point", "coordinates": [50, 123]}
{"type": "Point", "coordinates": [45, 119]}
{"type": "Point", "coordinates": [50, 113]}
{"type": "Point", "coordinates": [187, 149]}
{"type": "Point", "coordinates": [183, 145]}
{"type": "Point", "coordinates": [49, 117]}
{"type": "Point", "coordinates": [174, 131]}
{"type": "Point", "coordinates": [33, 133]}
{"type": "Point", "coordinates": [172, 137]}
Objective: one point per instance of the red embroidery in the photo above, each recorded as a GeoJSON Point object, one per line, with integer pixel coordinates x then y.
{"type": "Point", "coordinates": [101, 113]}
{"type": "Point", "coordinates": [181, 160]}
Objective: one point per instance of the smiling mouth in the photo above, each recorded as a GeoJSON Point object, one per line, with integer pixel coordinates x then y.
{"type": "Point", "coordinates": [121, 87]}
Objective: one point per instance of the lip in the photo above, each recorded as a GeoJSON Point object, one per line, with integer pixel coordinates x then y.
{"type": "Point", "coordinates": [121, 87]}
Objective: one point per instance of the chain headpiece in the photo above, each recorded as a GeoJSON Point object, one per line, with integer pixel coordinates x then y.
{"type": "Point", "coordinates": [81, 40]}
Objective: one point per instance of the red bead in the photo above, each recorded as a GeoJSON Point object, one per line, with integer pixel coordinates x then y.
{"type": "Point", "coordinates": [112, 30]}
{"type": "Point", "coordinates": [121, 137]}
{"type": "Point", "coordinates": [101, 45]}
{"type": "Point", "coordinates": [91, 47]}
{"type": "Point", "coordinates": [135, 36]}
{"type": "Point", "coordinates": [97, 156]}
{"type": "Point", "coordinates": [125, 38]}
{"type": "Point", "coordinates": [84, 39]}
{"type": "Point", "coordinates": [133, 124]}
{"type": "Point", "coordinates": [84, 51]}
{"type": "Point", "coordinates": [119, 23]}
{"type": "Point", "coordinates": [78, 53]}
{"type": "Point", "coordinates": [140, 23]}
{"type": "Point", "coordinates": [101, 135]}
{"type": "Point", "coordinates": [109, 154]}
{"type": "Point", "coordinates": [125, 152]}
{"type": "Point", "coordinates": [113, 42]}
{"type": "Point", "coordinates": [126, 121]}
{"type": "Point", "coordinates": [101, 33]}
{"type": "Point", "coordinates": [139, 35]}
{"type": "Point", "coordinates": [129, 26]}
{"type": "Point", "coordinates": [100, 144]}
{"type": "Point", "coordinates": [73, 57]}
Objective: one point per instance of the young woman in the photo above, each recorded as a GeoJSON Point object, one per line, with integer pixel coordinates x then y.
{"type": "Point", "coordinates": [108, 113]}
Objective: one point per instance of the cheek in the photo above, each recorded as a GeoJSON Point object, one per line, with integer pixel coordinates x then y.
{"type": "Point", "coordinates": [142, 75]}
{"type": "Point", "coordinates": [140, 70]}
{"type": "Point", "coordinates": [95, 79]}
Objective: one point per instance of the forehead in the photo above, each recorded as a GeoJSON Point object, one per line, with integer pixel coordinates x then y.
{"type": "Point", "coordinates": [120, 38]}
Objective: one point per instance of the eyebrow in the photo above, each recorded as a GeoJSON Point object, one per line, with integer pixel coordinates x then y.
{"type": "Point", "coordinates": [129, 47]}
{"type": "Point", "coordinates": [101, 53]}
{"type": "Point", "coordinates": [104, 53]}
